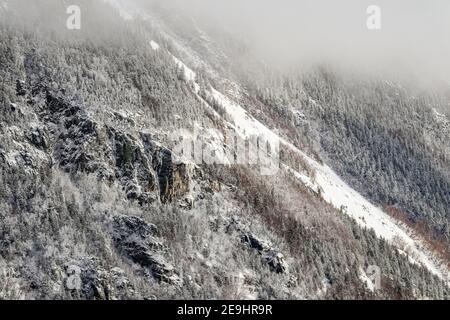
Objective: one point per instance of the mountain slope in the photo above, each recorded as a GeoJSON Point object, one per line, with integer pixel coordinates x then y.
{"type": "Point", "coordinates": [95, 205]}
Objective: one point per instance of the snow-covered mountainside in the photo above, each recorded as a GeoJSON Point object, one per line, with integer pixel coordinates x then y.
{"type": "Point", "coordinates": [97, 202]}
{"type": "Point", "coordinates": [332, 188]}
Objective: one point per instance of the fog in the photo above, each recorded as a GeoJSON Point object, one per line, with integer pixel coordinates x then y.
{"type": "Point", "coordinates": [413, 42]}
{"type": "Point", "coordinates": [414, 39]}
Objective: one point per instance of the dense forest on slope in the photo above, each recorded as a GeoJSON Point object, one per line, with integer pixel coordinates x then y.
{"type": "Point", "coordinates": [389, 139]}
{"type": "Point", "coordinates": [87, 187]}
{"type": "Point", "coordinates": [391, 144]}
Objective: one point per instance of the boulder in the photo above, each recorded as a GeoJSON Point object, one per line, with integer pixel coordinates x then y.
{"type": "Point", "coordinates": [255, 242]}
{"type": "Point", "coordinates": [276, 261]}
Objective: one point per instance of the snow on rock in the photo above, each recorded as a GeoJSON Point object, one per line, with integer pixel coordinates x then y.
{"type": "Point", "coordinates": [440, 117]}
{"type": "Point", "coordinates": [10, 158]}
{"type": "Point", "coordinates": [366, 280]}
{"type": "Point", "coordinates": [215, 139]}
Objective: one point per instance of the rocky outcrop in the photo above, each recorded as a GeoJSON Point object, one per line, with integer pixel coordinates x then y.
{"type": "Point", "coordinates": [73, 133]}
{"type": "Point", "coordinates": [255, 243]}
{"type": "Point", "coordinates": [133, 167]}
{"type": "Point", "coordinates": [173, 177]}
{"type": "Point", "coordinates": [270, 256]}
{"type": "Point", "coordinates": [38, 137]}
{"type": "Point", "coordinates": [136, 239]}
{"type": "Point", "coordinates": [144, 168]}
{"type": "Point", "coordinates": [24, 151]}
{"type": "Point", "coordinates": [273, 257]}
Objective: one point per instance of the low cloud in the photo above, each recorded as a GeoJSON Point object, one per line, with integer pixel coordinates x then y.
{"type": "Point", "coordinates": [414, 38]}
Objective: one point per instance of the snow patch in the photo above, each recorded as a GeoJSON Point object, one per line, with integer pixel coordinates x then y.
{"type": "Point", "coordinates": [155, 46]}
{"type": "Point", "coordinates": [189, 74]}
{"type": "Point", "coordinates": [11, 158]}
{"type": "Point", "coordinates": [366, 280]}
{"type": "Point", "coordinates": [307, 181]}
{"type": "Point", "coordinates": [244, 123]}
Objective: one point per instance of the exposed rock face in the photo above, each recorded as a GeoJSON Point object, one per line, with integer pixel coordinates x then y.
{"type": "Point", "coordinates": [271, 256]}
{"type": "Point", "coordinates": [38, 137]}
{"type": "Point", "coordinates": [23, 150]}
{"type": "Point", "coordinates": [276, 261]}
{"type": "Point", "coordinates": [133, 167]}
{"type": "Point", "coordinates": [74, 135]}
{"type": "Point", "coordinates": [255, 243]}
{"type": "Point", "coordinates": [135, 238]}
{"type": "Point", "coordinates": [144, 168]}
{"type": "Point", "coordinates": [173, 178]}
{"type": "Point", "coordinates": [126, 225]}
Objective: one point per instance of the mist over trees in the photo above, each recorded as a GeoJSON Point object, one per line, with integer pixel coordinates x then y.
{"type": "Point", "coordinates": [412, 43]}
